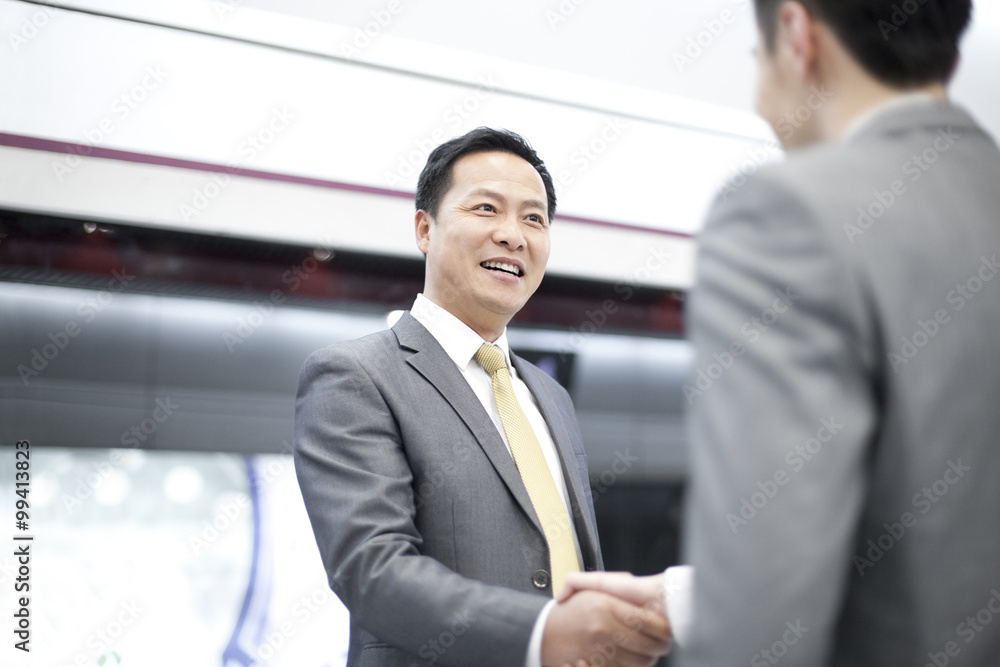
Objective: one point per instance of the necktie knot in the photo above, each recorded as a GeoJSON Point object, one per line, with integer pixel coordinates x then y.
{"type": "Point", "coordinates": [490, 357]}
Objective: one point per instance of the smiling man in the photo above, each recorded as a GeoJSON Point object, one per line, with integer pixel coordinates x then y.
{"type": "Point", "coordinates": [445, 477]}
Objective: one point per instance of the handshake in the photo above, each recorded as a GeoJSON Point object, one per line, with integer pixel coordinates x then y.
{"type": "Point", "coordinates": [605, 619]}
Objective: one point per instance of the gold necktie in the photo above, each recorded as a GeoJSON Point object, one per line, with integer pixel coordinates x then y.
{"type": "Point", "coordinates": [534, 470]}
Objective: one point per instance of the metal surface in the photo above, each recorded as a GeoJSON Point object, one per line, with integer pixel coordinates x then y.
{"type": "Point", "coordinates": [108, 368]}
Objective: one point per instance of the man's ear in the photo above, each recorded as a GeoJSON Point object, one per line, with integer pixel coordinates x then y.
{"type": "Point", "coordinates": [422, 224]}
{"type": "Point", "coordinates": [797, 35]}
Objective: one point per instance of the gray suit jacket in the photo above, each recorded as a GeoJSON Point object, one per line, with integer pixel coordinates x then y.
{"type": "Point", "coordinates": [426, 531]}
{"type": "Point", "coordinates": [845, 405]}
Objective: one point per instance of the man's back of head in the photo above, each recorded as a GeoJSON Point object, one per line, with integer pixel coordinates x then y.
{"type": "Point", "coordinates": [823, 64]}
{"type": "Point", "coordinates": [903, 44]}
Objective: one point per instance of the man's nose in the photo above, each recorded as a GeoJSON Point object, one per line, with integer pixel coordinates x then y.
{"type": "Point", "coordinates": [508, 232]}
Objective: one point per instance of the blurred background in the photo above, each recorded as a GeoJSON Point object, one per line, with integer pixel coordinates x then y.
{"type": "Point", "coordinates": [196, 194]}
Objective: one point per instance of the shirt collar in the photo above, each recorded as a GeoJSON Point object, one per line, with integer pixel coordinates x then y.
{"type": "Point", "coordinates": [458, 340]}
{"type": "Point", "coordinates": [897, 103]}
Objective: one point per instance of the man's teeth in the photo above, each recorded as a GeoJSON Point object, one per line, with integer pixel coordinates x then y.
{"type": "Point", "coordinates": [502, 266]}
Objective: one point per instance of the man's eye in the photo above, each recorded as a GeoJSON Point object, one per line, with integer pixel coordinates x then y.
{"type": "Point", "coordinates": [487, 207]}
{"type": "Point", "coordinates": [534, 217]}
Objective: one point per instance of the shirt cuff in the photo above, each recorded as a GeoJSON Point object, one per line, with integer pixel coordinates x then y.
{"type": "Point", "coordinates": [677, 587]}
{"type": "Point", "coordinates": [534, 658]}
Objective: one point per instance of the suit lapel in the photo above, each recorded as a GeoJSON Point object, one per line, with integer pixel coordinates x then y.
{"type": "Point", "coordinates": [430, 360]}
{"type": "Point", "coordinates": [579, 505]}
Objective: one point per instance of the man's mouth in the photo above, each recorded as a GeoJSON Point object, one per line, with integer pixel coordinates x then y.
{"type": "Point", "coordinates": [504, 267]}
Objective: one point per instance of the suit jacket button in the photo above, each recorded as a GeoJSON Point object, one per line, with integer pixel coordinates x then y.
{"type": "Point", "coordinates": [540, 579]}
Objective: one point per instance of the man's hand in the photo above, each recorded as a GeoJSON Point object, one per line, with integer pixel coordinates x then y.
{"type": "Point", "coordinates": [596, 628]}
{"type": "Point", "coordinates": [645, 592]}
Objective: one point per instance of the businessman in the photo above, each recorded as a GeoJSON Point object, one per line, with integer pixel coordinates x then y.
{"type": "Point", "coordinates": [445, 477]}
{"type": "Point", "coordinates": [844, 500]}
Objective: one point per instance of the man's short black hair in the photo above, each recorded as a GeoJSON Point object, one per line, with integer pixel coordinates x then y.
{"type": "Point", "coordinates": [436, 177]}
{"type": "Point", "coordinates": [902, 43]}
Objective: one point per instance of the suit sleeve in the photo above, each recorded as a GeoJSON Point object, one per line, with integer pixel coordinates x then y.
{"type": "Point", "coordinates": [781, 412]}
{"type": "Point", "coordinates": [357, 486]}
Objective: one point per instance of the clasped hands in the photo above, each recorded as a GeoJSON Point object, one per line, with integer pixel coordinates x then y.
{"type": "Point", "coordinates": [606, 619]}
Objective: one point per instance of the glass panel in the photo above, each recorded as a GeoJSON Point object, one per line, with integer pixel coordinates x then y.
{"type": "Point", "coordinates": [158, 559]}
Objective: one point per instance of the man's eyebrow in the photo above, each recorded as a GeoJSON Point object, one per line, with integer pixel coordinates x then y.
{"type": "Point", "coordinates": [535, 203]}
{"type": "Point", "coordinates": [486, 192]}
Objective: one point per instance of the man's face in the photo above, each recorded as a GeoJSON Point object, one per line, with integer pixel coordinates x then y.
{"type": "Point", "coordinates": [489, 243]}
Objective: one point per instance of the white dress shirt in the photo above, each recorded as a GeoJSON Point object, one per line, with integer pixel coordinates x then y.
{"type": "Point", "coordinates": [678, 591]}
{"type": "Point", "coordinates": [461, 343]}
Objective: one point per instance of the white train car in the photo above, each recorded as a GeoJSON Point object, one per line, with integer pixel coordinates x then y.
{"type": "Point", "coordinates": [195, 194]}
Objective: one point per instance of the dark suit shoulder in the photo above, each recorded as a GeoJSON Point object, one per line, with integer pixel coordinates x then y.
{"type": "Point", "coordinates": [369, 355]}
{"type": "Point", "coordinates": [884, 154]}
{"type": "Point", "coordinates": [793, 200]}
{"type": "Point", "coordinates": [359, 348]}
